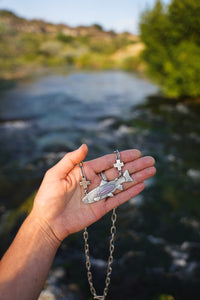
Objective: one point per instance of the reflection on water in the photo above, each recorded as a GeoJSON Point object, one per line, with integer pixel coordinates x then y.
{"type": "Point", "coordinates": [158, 232]}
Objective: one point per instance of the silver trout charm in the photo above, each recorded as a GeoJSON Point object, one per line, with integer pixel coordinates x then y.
{"type": "Point", "coordinates": [107, 188]}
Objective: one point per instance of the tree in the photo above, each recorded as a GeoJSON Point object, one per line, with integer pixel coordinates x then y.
{"type": "Point", "coordinates": [172, 38]}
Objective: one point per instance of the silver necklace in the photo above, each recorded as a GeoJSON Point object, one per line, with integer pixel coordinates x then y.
{"type": "Point", "coordinates": [110, 259]}
{"type": "Point", "coordinates": [104, 190]}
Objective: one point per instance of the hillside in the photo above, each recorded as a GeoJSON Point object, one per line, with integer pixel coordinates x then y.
{"type": "Point", "coordinates": [27, 46]}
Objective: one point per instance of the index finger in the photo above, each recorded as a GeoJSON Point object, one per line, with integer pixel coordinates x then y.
{"type": "Point", "coordinates": [106, 162]}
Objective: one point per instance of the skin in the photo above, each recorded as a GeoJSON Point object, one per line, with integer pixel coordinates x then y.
{"type": "Point", "coordinates": [58, 211]}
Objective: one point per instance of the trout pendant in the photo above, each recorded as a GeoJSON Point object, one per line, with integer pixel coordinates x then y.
{"type": "Point", "coordinates": [107, 188]}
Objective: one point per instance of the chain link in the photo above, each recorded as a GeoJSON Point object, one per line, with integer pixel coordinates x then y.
{"type": "Point", "coordinates": [110, 259]}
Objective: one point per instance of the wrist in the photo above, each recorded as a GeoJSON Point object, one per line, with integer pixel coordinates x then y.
{"type": "Point", "coordinates": [44, 229]}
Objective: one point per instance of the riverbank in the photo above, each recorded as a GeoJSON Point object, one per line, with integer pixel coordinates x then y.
{"type": "Point", "coordinates": [30, 47]}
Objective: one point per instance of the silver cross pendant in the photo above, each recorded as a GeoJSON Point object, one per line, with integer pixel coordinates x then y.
{"type": "Point", "coordinates": [118, 165]}
{"type": "Point", "coordinates": [84, 183]}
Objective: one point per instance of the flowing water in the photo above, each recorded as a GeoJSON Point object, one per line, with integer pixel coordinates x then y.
{"type": "Point", "coordinates": [158, 242]}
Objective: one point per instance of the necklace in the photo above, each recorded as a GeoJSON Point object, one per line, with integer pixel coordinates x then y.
{"type": "Point", "coordinates": [110, 259]}
{"type": "Point", "coordinates": [104, 190]}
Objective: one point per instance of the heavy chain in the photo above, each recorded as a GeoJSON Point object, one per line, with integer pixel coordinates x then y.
{"type": "Point", "coordinates": [110, 259]}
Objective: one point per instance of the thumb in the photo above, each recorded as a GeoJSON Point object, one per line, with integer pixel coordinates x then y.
{"type": "Point", "coordinates": [67, 163]}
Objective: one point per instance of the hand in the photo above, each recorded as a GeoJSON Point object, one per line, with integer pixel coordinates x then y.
{"type": "Point", "coordinates": [58, 202]}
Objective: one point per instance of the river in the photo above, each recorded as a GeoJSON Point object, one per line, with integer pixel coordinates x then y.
{"type": "Point", "coordinates": [158, 242]}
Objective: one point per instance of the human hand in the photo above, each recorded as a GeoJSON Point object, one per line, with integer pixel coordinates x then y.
{"type": "Point", "coordinates": [58, 202]}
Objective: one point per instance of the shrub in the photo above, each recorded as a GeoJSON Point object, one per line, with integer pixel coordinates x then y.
{"type": "Point", "coordinates": [172, 38]}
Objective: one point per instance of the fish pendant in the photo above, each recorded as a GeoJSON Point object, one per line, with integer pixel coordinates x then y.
{"type": "Point", "coordinates": [107, 188]}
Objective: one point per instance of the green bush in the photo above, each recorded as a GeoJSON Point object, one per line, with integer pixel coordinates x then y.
{"type": "Point", "coordinates": [50, 48]}
{"type": "Point", "coordinates": [94, 61]}
{"type": "Point", "coordinates": [98, 26]}
{"type": "Point", "coordinates": [65, 38]}
{"type": "Point", "coordinates": [131, 63]}
{"type": "Point", "coordinates": [172, 38]}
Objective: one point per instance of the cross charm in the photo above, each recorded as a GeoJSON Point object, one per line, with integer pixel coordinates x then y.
{"type": "Point", "coordinates": [84, 183]}
{"type": "Point", "coordinates": [118, 165]}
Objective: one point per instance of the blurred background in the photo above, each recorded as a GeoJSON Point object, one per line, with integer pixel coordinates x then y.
{"type": "Point", "coordinates": [114, 75]}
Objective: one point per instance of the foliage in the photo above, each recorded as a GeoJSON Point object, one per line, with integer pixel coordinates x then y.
{"type": "Point", "coordinates": [172, 38]}
{"type": "Point", "coordinates": [26, 46]}
{"type": "Point", "coordinates": [6, 13]}
{"type": "Point", "coordinates": [98, 26]}
{"type": "Point", "coordinates": [94, 61]}
{"type": "Point", "coordinates": [64, 38]}
{"type": "Point", "coordinates": [131, 63]}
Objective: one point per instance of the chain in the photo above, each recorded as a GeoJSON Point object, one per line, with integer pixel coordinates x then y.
{"type": "Point", "coordinates": [110, 259]}
{"type": "Point", "coordinates": [84, 183]}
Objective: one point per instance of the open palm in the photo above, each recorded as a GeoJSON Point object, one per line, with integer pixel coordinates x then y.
{"type": "Point", "coordinates": [58, 201]}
